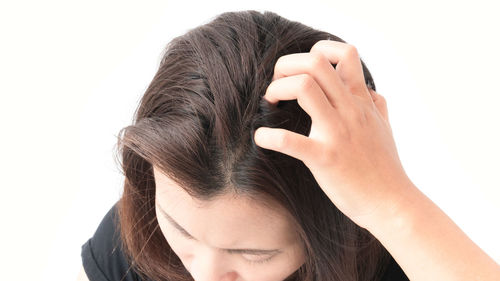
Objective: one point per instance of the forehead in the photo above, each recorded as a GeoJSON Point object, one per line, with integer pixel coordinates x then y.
{"type": "Point", "coordinates": [228, 221]}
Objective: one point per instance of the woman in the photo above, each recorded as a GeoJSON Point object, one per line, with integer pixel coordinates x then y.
{"type": "Point", "coordinates": [261, 151]}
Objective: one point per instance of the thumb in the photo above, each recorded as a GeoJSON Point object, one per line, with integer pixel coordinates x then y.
{"type": "Point", "coordinates": [284, 141]}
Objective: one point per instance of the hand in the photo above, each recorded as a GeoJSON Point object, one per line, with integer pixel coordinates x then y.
{"type": "Point", "coordinates": [350, 149]}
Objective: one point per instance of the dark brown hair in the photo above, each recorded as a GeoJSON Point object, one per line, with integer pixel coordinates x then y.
{"type": "Point", "coordinates": [196, 122]}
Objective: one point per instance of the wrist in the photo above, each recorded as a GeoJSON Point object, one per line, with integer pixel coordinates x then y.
{"type": "Point", "coordinates": [398, 212]}
{"type": "Point", "coordinates": [426, 243]}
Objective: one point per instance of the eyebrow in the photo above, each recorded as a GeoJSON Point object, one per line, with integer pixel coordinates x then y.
{"type": "Point", "coordinates": [234, 251]}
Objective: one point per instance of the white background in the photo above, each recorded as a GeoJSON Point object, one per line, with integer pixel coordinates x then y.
{"type": "Point", "coordinates": [72, 73]}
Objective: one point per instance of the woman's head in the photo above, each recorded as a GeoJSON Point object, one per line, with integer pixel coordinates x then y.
{"type": "Point", "coordinates": [190, 154]}
{"type": "Point", "coordinates": [228, 237]}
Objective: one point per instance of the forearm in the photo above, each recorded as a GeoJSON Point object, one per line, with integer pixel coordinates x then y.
{"type": "Point", "coordinates": [428, 245]}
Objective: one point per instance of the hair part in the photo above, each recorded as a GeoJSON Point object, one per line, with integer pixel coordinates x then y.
{"type": "Point", "coordinates": [195, 123]}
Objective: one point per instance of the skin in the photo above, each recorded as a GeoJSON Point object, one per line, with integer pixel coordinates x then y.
{"type": "Point", "coordinates": [352, 154]}
{"type": "Point", "coordinates": [219, 227]}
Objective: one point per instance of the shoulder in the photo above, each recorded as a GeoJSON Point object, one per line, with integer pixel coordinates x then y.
{"type": "Point", "coordinates": [102, 255]}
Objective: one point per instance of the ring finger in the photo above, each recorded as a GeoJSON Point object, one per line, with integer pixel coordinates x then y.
{"type": "Point", "coordinates": [309, 96]}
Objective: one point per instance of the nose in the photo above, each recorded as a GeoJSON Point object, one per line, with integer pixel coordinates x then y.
{"type": "Point", "coordinates": [210, 265]}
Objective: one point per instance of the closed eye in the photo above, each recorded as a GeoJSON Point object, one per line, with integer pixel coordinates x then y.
{"type": "Point", "coordinates": [252, 259]}
{"type": "Point", "coordinates": [250, 254]}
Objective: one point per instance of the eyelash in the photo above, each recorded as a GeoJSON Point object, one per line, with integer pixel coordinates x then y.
{"type": "Point", "coordinates": [249, 261]}
{"type": "Point", "coordinates": [260, 261]}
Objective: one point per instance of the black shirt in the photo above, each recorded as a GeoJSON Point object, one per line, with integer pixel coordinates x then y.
{"type": "Point", "coordinates": [103, 259]}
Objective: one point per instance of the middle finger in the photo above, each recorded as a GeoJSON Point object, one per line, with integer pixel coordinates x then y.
{"type": "Point", "coordinates": [308, 94]}
{"type": "Point", "coordinates": [320, 68]}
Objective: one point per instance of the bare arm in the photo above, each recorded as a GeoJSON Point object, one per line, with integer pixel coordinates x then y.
{"type": "Point", "coordinates": [352, 154]}
{"type": "Point", "coordinates": [428, 245]}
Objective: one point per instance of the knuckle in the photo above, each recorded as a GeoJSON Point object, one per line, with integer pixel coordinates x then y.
{"type": "Point", "coordinates": [317, 44]}
{"type": "Point", "coordinates": [306, 83]}
{"type": "Point", "coordinates": [282, 140]}
{"type": "Point", "coordinates": [351, 51]}
{"type": "Point", "coordinates": [377, 97]}
{"type": "Point", "coordinates": [383, 102]}
{"type": "Point", "coordinates": [381, 99]}
{"type": "Point", "coordinates": [316, 61]}
{"type": "Point", "coordinates": [354, 88]}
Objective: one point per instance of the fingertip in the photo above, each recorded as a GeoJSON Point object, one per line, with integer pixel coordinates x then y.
{"type": "Point", "coordinates": [271, 102]}
{"type": "Point", "coordinates": [257, 136]}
